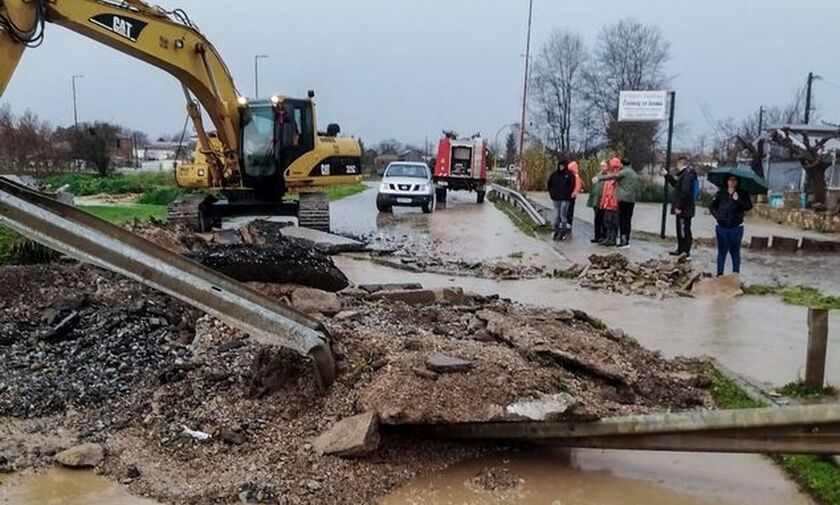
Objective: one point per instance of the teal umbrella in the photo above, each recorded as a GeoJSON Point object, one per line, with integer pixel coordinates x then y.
{"type": "Point", "coordinates": [748, 180]}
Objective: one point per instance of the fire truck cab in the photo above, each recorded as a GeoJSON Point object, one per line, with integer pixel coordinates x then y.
{"type": "Point", "coordinates": [461, 165]}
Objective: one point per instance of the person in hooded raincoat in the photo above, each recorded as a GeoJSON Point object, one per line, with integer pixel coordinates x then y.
{"type": "Point", "coordinates": [570, 215]}
{"type": "Point", "coordinates": [594, 201]}
{"type": "Point", "coordinates": [609, 204]}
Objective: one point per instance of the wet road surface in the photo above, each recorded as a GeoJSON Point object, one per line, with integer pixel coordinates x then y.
{"type": "Point", "coordinates": [594, 477]}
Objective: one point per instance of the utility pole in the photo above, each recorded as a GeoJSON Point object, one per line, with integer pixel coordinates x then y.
{"type": "Point", "coordinates": [525, 88]}
{"type": "Point", "coordinates": [75, 106]}
{"type": "Point", "coordinates": [257, 59]}
{"type": "Point", "coordinates": [760, 121]}
{"type": "Point", "coordinates": [811, 78]}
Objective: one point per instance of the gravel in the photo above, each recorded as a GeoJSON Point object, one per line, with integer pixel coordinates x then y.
{"type": "Point", "coordinates": [137, 371]}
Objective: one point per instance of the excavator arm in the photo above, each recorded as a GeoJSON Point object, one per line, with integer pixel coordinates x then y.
{"type": "Point", "coordinates": [167, 40]}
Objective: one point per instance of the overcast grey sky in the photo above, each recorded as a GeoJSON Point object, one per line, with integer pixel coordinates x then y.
{"type": "Point", "coordinates": [410, 68]}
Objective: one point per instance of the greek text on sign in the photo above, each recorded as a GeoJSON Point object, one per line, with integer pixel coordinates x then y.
{"type": "Point", "coordinates": [642, 105]}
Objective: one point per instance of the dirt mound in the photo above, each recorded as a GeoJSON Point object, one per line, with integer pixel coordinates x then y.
{"type": "Point", "coordinates": [208, 416]}
{"type": "Point", "coordinates": [654, 278]}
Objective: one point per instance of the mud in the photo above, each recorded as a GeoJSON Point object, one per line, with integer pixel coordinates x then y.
{"type": "Point", "coordinates": [128, 378]}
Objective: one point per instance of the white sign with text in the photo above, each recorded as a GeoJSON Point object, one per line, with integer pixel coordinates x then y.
{"type": "Point", "coordinates": [642, 105]}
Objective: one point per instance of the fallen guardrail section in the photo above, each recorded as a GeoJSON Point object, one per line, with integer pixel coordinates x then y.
{"type": "Point", "coordinates": [811, 429]}
{"type": "Point", "coordinates": [87, 238]}
{"type": "Point", "coordinates": [519, 201]}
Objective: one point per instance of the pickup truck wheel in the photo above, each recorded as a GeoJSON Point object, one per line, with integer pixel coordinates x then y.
{"type": "Point", "coordinates": [381, 207]}
{"type": "Point", "coordinates": [429, 206]}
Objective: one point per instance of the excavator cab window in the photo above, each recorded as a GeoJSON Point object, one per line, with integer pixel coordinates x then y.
{"type": "Point", "coordinates": [297, 134]}
{"type": "Point", "coordinates": [258, 142]}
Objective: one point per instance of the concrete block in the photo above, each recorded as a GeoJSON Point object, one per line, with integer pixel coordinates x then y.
{"type": "Point", "coordinates": [815, 245]}
{"type": "Point", "coordinates": [785, 244]}
{"type": "Point", "coordinates": [352, 436]}
{"type": "Point", "coordinates": [759, 243]}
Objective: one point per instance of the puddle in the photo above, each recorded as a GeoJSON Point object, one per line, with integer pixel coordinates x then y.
{"type": "Point", "coordinates": [65, 487]}
{"type": "Point", "coordinates": [588, 477]}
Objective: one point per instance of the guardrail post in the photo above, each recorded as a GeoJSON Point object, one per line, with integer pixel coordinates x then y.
{"type": "Point", "coordinates": [817, 347]}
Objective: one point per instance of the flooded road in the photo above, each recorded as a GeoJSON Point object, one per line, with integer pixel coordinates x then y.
{"type": "Point", "coordinates": [759, 337]}
{"type": "Point", "coordinates": [65, 487]}
{"type": "Point", "coordinates": [592, 477]}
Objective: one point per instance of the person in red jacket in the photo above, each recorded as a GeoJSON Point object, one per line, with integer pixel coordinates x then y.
{"type": "Point", "coordinates": [609, 204]}
{"type": "Point", "coordinates": [570, 215]}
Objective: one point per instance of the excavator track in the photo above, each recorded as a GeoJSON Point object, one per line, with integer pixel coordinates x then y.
{"type": "Point", "coordinates": [314, 211]}
{"type": "Point", "coordinates": [75, 233]}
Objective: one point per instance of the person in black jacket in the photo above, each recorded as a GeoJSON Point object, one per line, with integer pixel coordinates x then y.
{"type": "Point", "coordinates": [728, 208]}
{"type": "Point", "coordinates": [561, 185]}
{"type": "Point", "coordinates": [682, 205]}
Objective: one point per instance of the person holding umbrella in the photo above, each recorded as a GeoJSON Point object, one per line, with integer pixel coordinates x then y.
{"type": "Point", "coordinates": [728, 207]}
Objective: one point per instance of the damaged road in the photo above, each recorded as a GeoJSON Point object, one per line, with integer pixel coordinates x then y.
{"type": "Point", "coordinates": [139, 388]}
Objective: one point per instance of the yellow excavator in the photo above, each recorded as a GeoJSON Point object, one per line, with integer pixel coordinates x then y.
{"type": "Point", "coordinates": [262, 149]}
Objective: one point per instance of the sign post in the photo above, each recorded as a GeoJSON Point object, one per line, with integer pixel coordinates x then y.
{"type": "Point", "coordinates": [644, 106]}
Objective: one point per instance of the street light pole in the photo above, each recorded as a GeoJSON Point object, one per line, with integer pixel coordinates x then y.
{"type": "Point", "coordinates": [257, 59]}
{"type": "Point", "coordinates": [525, 87]}
{"type": "Point", "coordinates": [75, 106]}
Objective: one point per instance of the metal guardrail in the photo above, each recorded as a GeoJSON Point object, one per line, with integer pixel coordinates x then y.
{"type": "Point", "coordinates": [519, 201]}
{"type": "Point", "coordinates": [92, 240]}
{"type": "Point", "coordinates": [808, 429]}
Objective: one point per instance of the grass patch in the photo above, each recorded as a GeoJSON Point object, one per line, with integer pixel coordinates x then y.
{"type": "Point", "coordinates": [520, 219]}
{"type": "Point", "coordinates": [516, 255]}
{"type": "Point", "coordinates": [15, 248]}
{"type": "Point", "coordinates": [818, 476]}
{"type": "Point", "coordinates": [796, 295]}
{"type": "Point", "coordinates": [728, 395]}
{"type": "Point", "coordinates": [799, 389]}
{"type": "Point", "coordinates": [115, 184]}
{"type": "Point", "coordinates": [161, 195]}
{"type": "Point", "coordinates": [119, 214]}
{"type": "Point", "coordinates": [338, 192]}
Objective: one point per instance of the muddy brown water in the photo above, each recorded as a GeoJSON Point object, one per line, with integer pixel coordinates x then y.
{"type": "Point", "coordinates": [65, 487]}
{"type": "Point", "coordinates": [548, 477]}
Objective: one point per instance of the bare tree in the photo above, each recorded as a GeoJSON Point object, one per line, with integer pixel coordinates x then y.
{"type": "Point", "coordinates": [811, 153]}
{"type": "Point", "coordinates": [628, 55]}
{"type": "Point", "coordinates": [556, 84]}
{"type": "Point", "coordinates": [750, 134]}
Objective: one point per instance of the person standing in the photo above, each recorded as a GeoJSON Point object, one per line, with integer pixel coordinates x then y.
{"type": "Point", "coordinates": [561, 185]}
{"type": "Point", "coordinates": [728, 208]}
{"type": "Point", "coordinates": [594, 201]}
{"type": "Point", "coordinates": [609, 204]}
{"type": "Point", "coordinates": [570, 216]}
{"type": "Point", "coordinates": [628, 184]}
{"type": "Point", "coordinates": [682, 204]}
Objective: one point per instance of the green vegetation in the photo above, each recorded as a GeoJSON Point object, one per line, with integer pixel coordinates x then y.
{"type": "Point", "coordinates": [520, 220]}
{"type": "Point", "coordinates": [516, 255]}
{"type": "Point", "coordinates": [728, 395]}
{"type": "Point", "coordinates": [820, 477]}
{"type": "Point", "coordinates": [799, 389]}
{"type": "Point", "coordinates": [91, 184]}
{"type": "Point", "coordinates": [796, 295]}
{"type": "Point", "coordinates": [15, 248]}
{"type": "Point", "coordinates": [123, 213]}
{"type": "Point", "coordinates": [161, 195]}
{"type": "Point", "coordinates": [338, 192]}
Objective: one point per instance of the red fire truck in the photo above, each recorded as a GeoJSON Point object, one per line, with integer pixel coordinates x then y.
{"type": "Point", "coordinates": [461, 164]}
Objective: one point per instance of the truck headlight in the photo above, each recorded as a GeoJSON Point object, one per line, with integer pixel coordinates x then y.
{"type": "Point", "coordinates": [424, 188]}
{"type": "Point", "coordinates": [383, 186]}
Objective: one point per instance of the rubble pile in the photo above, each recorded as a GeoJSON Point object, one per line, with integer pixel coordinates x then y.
{"type": "Point", "coordinates": [256, 252]}
{"type": "Point", "coordinates": [656, 277]}
{"type": "Point", "coordinates": [188, 410]}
